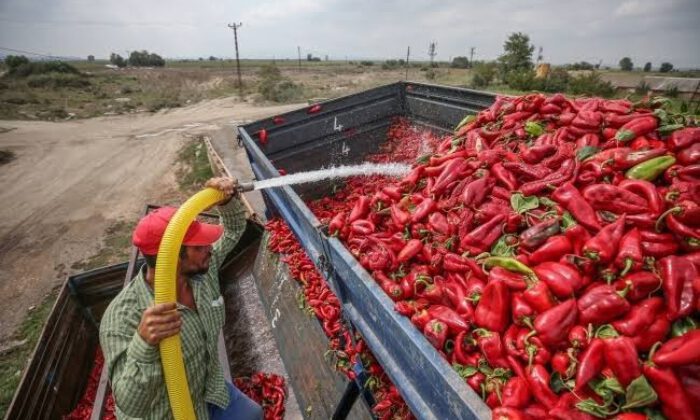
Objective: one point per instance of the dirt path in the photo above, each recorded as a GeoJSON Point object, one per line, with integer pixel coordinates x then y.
{"type": "Point", "coordinates": [72, 180]}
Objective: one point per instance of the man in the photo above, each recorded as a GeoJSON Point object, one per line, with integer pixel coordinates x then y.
{"type": "Point", "coordinates": [132, 326]}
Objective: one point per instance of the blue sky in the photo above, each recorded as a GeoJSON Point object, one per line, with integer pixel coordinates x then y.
{"type": "Point", "coordinates": [594, 30]}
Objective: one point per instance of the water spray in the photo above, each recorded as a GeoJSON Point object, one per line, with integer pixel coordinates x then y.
{"type": "Point", "coordinates": [389, 169]}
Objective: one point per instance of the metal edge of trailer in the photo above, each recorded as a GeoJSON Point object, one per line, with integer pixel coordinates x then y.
{"type": "Point", "coordinates": [429, 385]}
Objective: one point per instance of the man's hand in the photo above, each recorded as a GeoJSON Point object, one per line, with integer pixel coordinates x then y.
{"type": "Point", "coordinates": [225, 185]}
{"type": "Point", "coordinates": [159, 322]}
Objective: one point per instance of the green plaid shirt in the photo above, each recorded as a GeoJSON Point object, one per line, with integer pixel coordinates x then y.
{"type": "Point", "coordinates": [135, 370]}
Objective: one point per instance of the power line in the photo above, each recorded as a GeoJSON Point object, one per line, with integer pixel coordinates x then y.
{"type": "Point", "coordinates": [37, 54]}
{"type": "Point", "coordinates": [235, 27]}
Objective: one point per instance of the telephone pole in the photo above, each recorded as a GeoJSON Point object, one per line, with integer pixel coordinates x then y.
{"type": "Point", "coordinates": [235, 27]}
{"type": "Point", "coordinates": [471, 57]}
{"type": "Point", "coordinates": [299, 55]}
{"type": "Point", "coordinates": [408, 54]}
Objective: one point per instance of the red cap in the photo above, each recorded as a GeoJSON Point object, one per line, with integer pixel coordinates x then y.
{"type": "Point", "coordinates": [150, 229]}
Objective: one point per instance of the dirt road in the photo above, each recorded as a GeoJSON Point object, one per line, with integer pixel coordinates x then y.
{"type": "Point", "coordinates": [72, 180]}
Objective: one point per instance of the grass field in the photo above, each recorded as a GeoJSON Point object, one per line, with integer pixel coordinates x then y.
{"type": "Point", "coordinates": [103, 91]}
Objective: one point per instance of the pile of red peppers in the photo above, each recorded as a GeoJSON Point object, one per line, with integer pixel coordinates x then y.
{"type": "Point", "coordinates": [266, 389]}
{"type": "Point", "coordinates": [83, 410]}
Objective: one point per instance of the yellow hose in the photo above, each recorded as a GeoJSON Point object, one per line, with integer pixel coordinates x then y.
{"type": "Point", "coordinates": [165, 291]}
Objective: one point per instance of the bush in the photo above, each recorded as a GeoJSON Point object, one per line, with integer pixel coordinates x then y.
{"type": "Point", "coordinates": [41, 67]}
{"type": "Point", "coordinates": [582, 65]}
{"type": "Point", "coordinates": [366, 63]}
{"type": "Point", "coordinates": [117, 60]}
{"type": "Point", "coordinates": [591, 84]}
{"type": "Point", "coordinates": [523, 79]}
{"type": "Point", "coordinates": [14, 61]}
{"type": "Point", "coordinates": [57, 80]}
{"type": "Point", "coordinates": [460, 63]}
{"type": "Point", "coordinates": [642, 88]}
{"type": "Point", "coordinates": [275, 87]}
{"type": "Point", "coordinates": [665, 67]}
{"type": "Point", "coordinates": [390, 64]}
{"type": "Point", "coordinates": [483, 74]}
{"type": "Point", "coordinates": [626, 64]}
{"type": "Point", "coordinates": [672, 91]}
{"type": "Point", "coordinates": [145, 59]}
{"type": "Point", "coordinates": [556, 81]}
{"type": "Point", "coordinates": [430, 74]}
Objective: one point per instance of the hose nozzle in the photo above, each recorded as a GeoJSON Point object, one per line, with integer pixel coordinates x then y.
{"type": "Point", "coordinates": [245, 186]}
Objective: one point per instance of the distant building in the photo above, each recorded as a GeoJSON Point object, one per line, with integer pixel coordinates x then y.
{"type": "Point", "coordinates": [688, 88]}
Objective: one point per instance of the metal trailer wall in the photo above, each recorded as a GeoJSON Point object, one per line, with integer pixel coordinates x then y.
{"type": "Point", "coordinates": [344, 131]}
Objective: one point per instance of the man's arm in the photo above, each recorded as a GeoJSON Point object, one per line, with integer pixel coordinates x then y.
{"type": "Point", "coordinates": [233, 218]}
{"type": "Point", "coordinates": [133, 363]}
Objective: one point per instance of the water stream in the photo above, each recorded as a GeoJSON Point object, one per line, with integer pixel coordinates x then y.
{"type": "Point", "coordinates": [389, 169]}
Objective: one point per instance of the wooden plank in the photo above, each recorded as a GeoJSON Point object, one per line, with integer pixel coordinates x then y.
{"type": "Point", "coordinates": [301, 341]}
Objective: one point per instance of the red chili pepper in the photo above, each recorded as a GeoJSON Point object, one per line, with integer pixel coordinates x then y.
{"type": "Point", "coordinates": [538, 234]}
{"type": "Point", "coordinates": [507, 413]}
{"type": "Point", "coordinates": [562, 279]}
{"type": "Point", "coordinates": [409, 251]}
{"type": "Point", "coordinates": [680, 139]}
{"type": "Point", "coordinates": [603, 246]}
{"type": "Point", "coordinates": [516, 393]}
{"type": "Point", "coordinates": [640, 284]}
{"type": "Point", "coordinates": [552, 250]}
{"type": "Point", "coordinates": [565, 172]}
{"type": "Point", "coordinates": [539, 296]}
{"type": "Point", "coordinates": [677, 275]}
{"type": "Point", "coordinates": [637, 127]}
{"type": "Point", "coordinates": [690, 155]}
{"type": "Point", "coordinates": [578, 236]}
{"type": "Point", "coordinates": [674, 402]}
{"type": "Point", "coordinates": [601, 304]}
{"type": "Point", "coordinates": [621, 356]}
{"type": "Point", "coordinates": [362, 227]}
{"type": "Point", "coordinates": [452, 170]}
{"type": "Point", "coordinates": [571, 199]}
{"type": "Point", "coordinates": [679, 351]}
{"type": "Point", "coordinates": [451, 318]}
{"type": "Point", "coordinates": [481, 238]}
{"type": "Point", "coordinates": [422, 210]}
{"type": "Point", "coordinates": [493, 309]}
{"type": "Point", "coordinates": [399, 217]}
{"type": "Point", "coordinates": [523, 313]}
{"type": "Point", "coordinates": [578, 337]}
{"type": "Point", "coordinates": [505, 177]}
{"type": "Point", "coordinates": [647, 190]}
{"type": "Point", "coordinates": [529, 172]}
{"type": "Point", "coordinates": [336, 224]}
{"type": "Point", "coordinates": [262, 136]}
{"type": "Point", "coordinates": [475, 192]}
{"type": "Point", "coordinates": [629, 254]}
{"type": "Point", "coordinates": [640, 317]}
{"type": "Point", "coordinates": [313, 109]}
{"type": "Point", "coordinates": [360, 209]}
{"type": "Point", "coordinates": [490, 345]}
{"type": "Point", "coordinates": [438, 223]}
{"type": "Point", "coordinates": [623, 159]}
{"type": "Point", "coordinates": [614, 198]}
{"type": "Point", "coordinates": [553, 325]}
{"type": "Point", "coordinates": [538, 378]}
{"type": "Point", "coordinates": [537, 153]}
{"type": "Point", "coordinates": [591, 363]}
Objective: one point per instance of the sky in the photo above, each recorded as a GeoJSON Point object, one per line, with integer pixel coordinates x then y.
{"type": "Point", "coordinates": [568, 31]}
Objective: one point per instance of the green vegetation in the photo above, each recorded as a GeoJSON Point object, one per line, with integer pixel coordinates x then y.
{"type": "Point", "coordinates": [274, 87]}
{"type": "Point", "coordinates": [13, 361]}
{"type": "Point", "coordinates": [116, 244]}
{"type": "Point", "coordinates": [194, 169]}
{"type": "Point", "coordinates": [626, 64]}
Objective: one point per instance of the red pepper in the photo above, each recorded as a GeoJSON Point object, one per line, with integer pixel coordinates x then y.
{"type": "Point", "coordinates": [629, 255]}
{"type": "Point", "coordinates": [436, 333]}
{"type": "Point", "coordinates": [578, 236]}
{"type": "Point", "coordinates": [423, 209]}
{"type": "Point", "coordinates": [451, 172]}
{"type": "Point", "coordinates": [313, 109]}
{"type": "Point", "coordinates": [623, 159]}
{"type": "Point", "coordinates": [659, 249]}
{"type": "Point", "coordinates": [677, 275]}
{"type": "Point", "coordinates": [562, 279]}
{"type": "Point", "coordinates": [475, 192]}
{"type": "Point", "coordinates": [507, 413]}
{"type": "Point", "coordinates": [452, 319]}
{"type": "Point", "coordinates": [674, 402]}
{"type": "Point", "coordinates": [491, 346]}
{"type": "Point", "coordinates": [679, 351]}
{"type": "Point", "coordinates": [504, 176]}
{"type": "Point", "coordinates": [493, 309]}
{"type": "Point", "coordinates": [336, 224]}
{"type": "Point", "coordinates": [591, 363]}
{"type": "Point", "coordinates": [362, 227]}
{"type": "Point", "coordinates": [601, 304]}
{"type": "Point", "coordinates": [539, 296]}
{"type": "Point", "coordinates": [481, 238]}
{"type": "Point", "coordinates": [637, 127]}
{"type": "Point", "coordinates": [603, 246]}
{"type": "Point", "coordinates": [641, 285]}
{"type": "Point", "coordinates": [538, 378]}
{"type": "Point", "coordinates": [640, 317]}
{"type": "Point", "coordinates": [360, 209]}
{"type": "Point", "coordinates": [615, 199]}
{"type": "Point", "coordinates": [680, 139]}
{"type": "Point", "coordinates": [578, 337]}
{"type": "Point", "coordinates": [516, 393]}
{"type": "Point", "coordinates": [569, 197]}
{"type": "Point", "coordinates": [647, 190]}
{"type": "Point", "coordinates": [565, 172]}
{"type": "Point", "coordinates": [621, 356]}
{"type": "Point", "coordinates": [262, 136]}
{"type": "Point", "coordinates": [689, 155]}
{"type": "Point", "coordinates": [657, 331]}
{"type": "Point", "coordinates": [553, 325]}
{"type": "Point", "coordinates": [525, 170]}
{"type": "Point", "coordinates": [552, 250]}
{"type": "Point", "coordinates": [463, 344]}
{"type": "Point", "coordinates": [399, 217]}
{"type": "Point", "coordinates": [538, 234]}
{"type": "Point", "coordinates": [522, 311]}
{"type": "Point", "coordinates": [438, 223]}
{"type": "Point", "coordinates": [537, 153]}
{"type": "Point", "coordinates": [411, 249]}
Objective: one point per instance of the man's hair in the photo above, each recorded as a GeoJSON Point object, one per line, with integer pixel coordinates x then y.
{"type": "Point", "coordinates": [151, 259]}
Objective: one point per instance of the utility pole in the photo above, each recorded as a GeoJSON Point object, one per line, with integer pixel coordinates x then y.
{"type": "Point", "coordinates": [471, 57]}
{"type": "Point", "coordinates": [431, 52]}
{"type": "Point", "coordinates": [235, 27]}
{"type": "Point", "coordinates": [408, 54]}
{"type": "Point", "coordinates": [299, 55]}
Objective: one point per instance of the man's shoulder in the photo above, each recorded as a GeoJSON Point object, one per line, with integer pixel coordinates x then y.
{"type": "Point", "coordinates": [127, 304]}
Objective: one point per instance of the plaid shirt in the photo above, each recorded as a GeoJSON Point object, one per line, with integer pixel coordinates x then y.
{"type": "Point", "coordinates": [135, 370]}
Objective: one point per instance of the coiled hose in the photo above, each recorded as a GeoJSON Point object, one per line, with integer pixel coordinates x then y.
{"type": "Point", "coordinates": [165, 291]}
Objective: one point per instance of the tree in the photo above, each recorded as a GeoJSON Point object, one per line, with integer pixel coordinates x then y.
{"type": "Point", "coordinates": [145, 59]}
{"type": "Point", "coordinates": [212, 58]}
{"type": "Point", "coordinates": [626, 64]}
{"type": "Point", "coordinates": [91, 58]}
{"type": "Point", "coordinates": [666, 67]}
{"type": "Point", "coordinates": [117, 60]}
{"type": "Point", "coordinates": [517, 54]}
{"type": "Point", "coordinates": [460, 62]}
{"type": "Point", "coordinates": [14, 61]}
{"type": "Point", "coordinates": [647, 66]}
